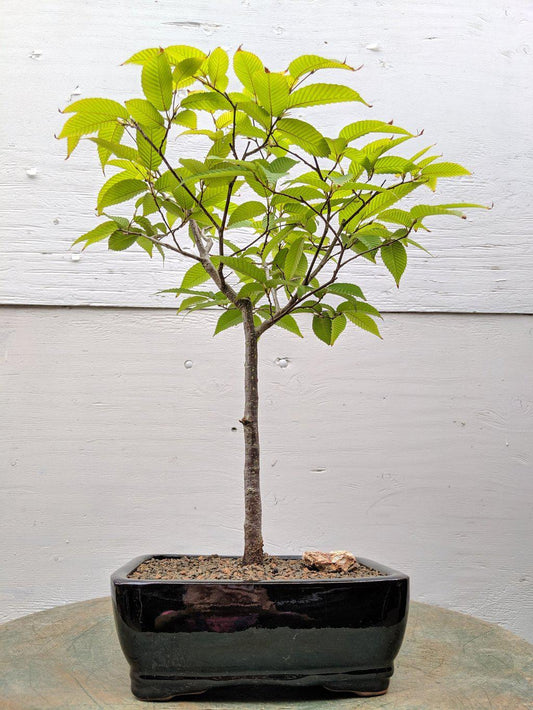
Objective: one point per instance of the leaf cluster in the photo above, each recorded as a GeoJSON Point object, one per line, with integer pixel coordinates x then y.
{"type": "Point", "coordinates": [274, 210]}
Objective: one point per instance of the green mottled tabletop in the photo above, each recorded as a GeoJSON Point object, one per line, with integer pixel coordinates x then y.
{"type": "Point", "coordinates": [69, 657]}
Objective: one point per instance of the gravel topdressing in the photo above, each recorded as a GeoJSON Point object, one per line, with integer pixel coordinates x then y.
{"type": "Point", "coordinates": [213, 567]}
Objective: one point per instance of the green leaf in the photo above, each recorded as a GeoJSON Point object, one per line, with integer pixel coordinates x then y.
{"type": "Point", "coordinates": [385, 199]}
{"type": "Point", "coordinates": [317, 94]}
{"type": "Point", "coordinates": [421, 211]}
{"type": "Point", "coordinates": [206, 101]}
{"type": "Point", "coordinates": [292, 260]}
{"type": "Point", "coordinates": [146, 244]}
{"type": "Point", "coordinates": [338, 324]}
{"type": "Point", "coordinates": [246, 211]}
{"type": "Point", "coordinates": [345, 289]}
{"type": "Point", "coordinates": [280, 166]}
{"type": "Point", "coordinates": [156, 80]}
{"type": "Point", "coordinates": [290, 324]}
{"type": "Point", "coordinates": [312, 62]}
{"type": "Point", "coordinates": [149, 154]}
{"type": "Point", "coordinates": [100, 109]}
{"type": "Point", "coordinates": [243, 265]}
{"type": "Point", "coordinates": [102, 231]}
{"type": "Point", "coordinates": [82, 124]}
{"type": "Point", "coordinates": [245, 66]}
{"type": "Point", "coordinates": [395, 259]}
{"type": "Point", "coordinates": [144, 112]}
{"type": "Point", "coordinates": [445, 170]}
{"type": "Point", "coordinates": [393, 164]}
{"type": "Point", "coordinates": [362, 128]}
{"type": "Point", "coordinates": [120, 241]}
{"type": "Point", "coordinates": [272, 91]}
{"type": "Point", "coordinates": [186, 118]}
{"type": "Point", "coordinates": [195, 276]}
{"type": "Point", "coordinates": [143, 56]}
{"type": "Point", "coordinates": [178, 52]}
{"type": "Point", "coordinates": [111, 132]}
{"type": "Point", "coordinates": [363, 321]}
{"type": "Point", "coordinates": [322, 328]}
{"type": "Point", "coordinates": [303, 135]}
{"type": "Point", "coordinates": [120, 192]}
{"type": "Point", "coordinates": [217, 67]}
{"type": "Point", "coordinates": [228, 319]}
{"type": "Point", "coordinates": [121, 151]}
{"type": "Point", "coordinates": [184, 72]}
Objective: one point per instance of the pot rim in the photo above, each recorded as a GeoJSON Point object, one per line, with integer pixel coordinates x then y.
{"type": "Point", "coordinates": [120, 576]}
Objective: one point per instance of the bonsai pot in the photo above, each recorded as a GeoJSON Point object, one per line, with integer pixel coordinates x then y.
{"type": "Point", "coordinates": [183, 636]}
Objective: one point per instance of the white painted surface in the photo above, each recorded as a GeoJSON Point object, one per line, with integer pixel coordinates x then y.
{"type": "Point", "coordinates": [461, 71]}
{"type": "Point", "coordinates": [415, 450]}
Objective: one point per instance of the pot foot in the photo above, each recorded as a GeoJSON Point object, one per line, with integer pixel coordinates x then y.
{"type": "Point", "coordinates": [161, 689]}
{"type": "Point", "coordinates": [362, 688]}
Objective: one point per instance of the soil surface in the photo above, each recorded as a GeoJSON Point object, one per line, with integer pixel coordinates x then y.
{"type": "Point", "coordinates": [213, 567]}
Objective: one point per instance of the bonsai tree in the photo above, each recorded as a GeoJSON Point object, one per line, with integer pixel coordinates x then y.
{"type": "Point", "coordinates": [269, 212]}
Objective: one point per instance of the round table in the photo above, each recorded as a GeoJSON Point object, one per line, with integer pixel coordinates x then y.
{"type": "Point", "coordinates": [69, 657]}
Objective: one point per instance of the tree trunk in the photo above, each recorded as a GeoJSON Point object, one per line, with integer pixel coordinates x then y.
{"type": "Point", "coordinates": [253, 538]}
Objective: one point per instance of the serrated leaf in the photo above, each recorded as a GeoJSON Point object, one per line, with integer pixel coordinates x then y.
{"type": "Point", "coordinates": [121, 192]}
{"type": "Point", "coordinates": [421, 211]}
{"type": "Point", "coordinates": [206, 101]}
{"type": "Point", "coordinates": [396, 216]}
{"type": "Point", "coordinates": [362, 128]}
{"type": "Point", "coordinates": [393, 165]}
{"type": "Point", "coordinates": [120, 241]}
{"type": "Point", "coordinates": [195, 276]}
{"type": "Point", "coordinates": [111, 132]}
{"type": "Point", "coordinates": [290, 324]}
{"type": "Point", "coordinates": [386, 199]}
{"type": "Point", "coordinates": [395, 259]}
{"type": "Point", "coordinates": [184, 72]}
{"type": "Point", "coordinates": [445, 170]}
{"type": "Point", "coordinates": [246, 211]}
{"type": "Point", "coordinates": [121, 151]}
{"type": "Point", "coordinates": [101, 109]}
{"type": "Point", "coordinates": [143, 56]}
{"type": "Point", "coordinates": [228, 319]}
{"type": "Point", "coordinates": [186, 118]}
{"type": "Point", "coordinates": [81, 125]}
{"type": "Point", "coordinates": [272, 92]}
{"type": "Point", "coordinates": [217, 67]}
{"type": "Point", "coordinates": [150, 147]}
{"type": "Point", "coordinates": [156, 80]}
{"type": "Point", "coordinates": [100, 232]}
{"type": "Point", "coordinates": [338, 324]}
{"type": "Point", "coordinates": [292, 260]}
{"type": "Point", "coordinates": [245, 66]}
{"type": "Point", "coordinates": [363, 321]}
{"type": "Point", "coordinates": [144, 112]}
{"type": "Point", "coordinates": [346, 289]}
{"type": "Point", "coordinates": [303, 135]}
{"type": "Point", "coordinates": [322, 328]}
{"type": "Point", "coordinates": [312, 62]}
{"type": "Point", "coordinates": [318, 94]}
{"type": "Point", "coordinates": [243, 265]}
{"type": "Point", "coordinates": [176, 53]}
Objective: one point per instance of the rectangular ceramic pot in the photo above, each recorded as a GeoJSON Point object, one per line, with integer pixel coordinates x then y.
{"type": "Point", "coordinates": [184, 637]}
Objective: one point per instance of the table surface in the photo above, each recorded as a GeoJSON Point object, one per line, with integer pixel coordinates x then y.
{"type": "Point", "coordinates": [69, 657]}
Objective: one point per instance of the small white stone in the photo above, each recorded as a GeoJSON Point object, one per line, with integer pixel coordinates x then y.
{"type": "Point", "coordinates": [75, 257]}
{"type": "Point", "coordinates": [373, 47]}
{"type": "Point", "coordinates": [31, 172]}
{"type": "Point", "coordinates": [187, 364]}
{"type": "Point", "coordinates": [282, 362]}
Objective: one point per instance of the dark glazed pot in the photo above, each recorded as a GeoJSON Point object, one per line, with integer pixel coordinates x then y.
{"type": "Point", "coordinates": [184, 637]}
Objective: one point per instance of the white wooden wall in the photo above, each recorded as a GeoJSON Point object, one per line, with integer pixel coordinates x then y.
{"type": "Point", "coordinates": [415, 450]}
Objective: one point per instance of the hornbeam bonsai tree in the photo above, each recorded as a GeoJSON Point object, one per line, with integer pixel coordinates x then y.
{"type": "Point", "coordinates": [268, 211]}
